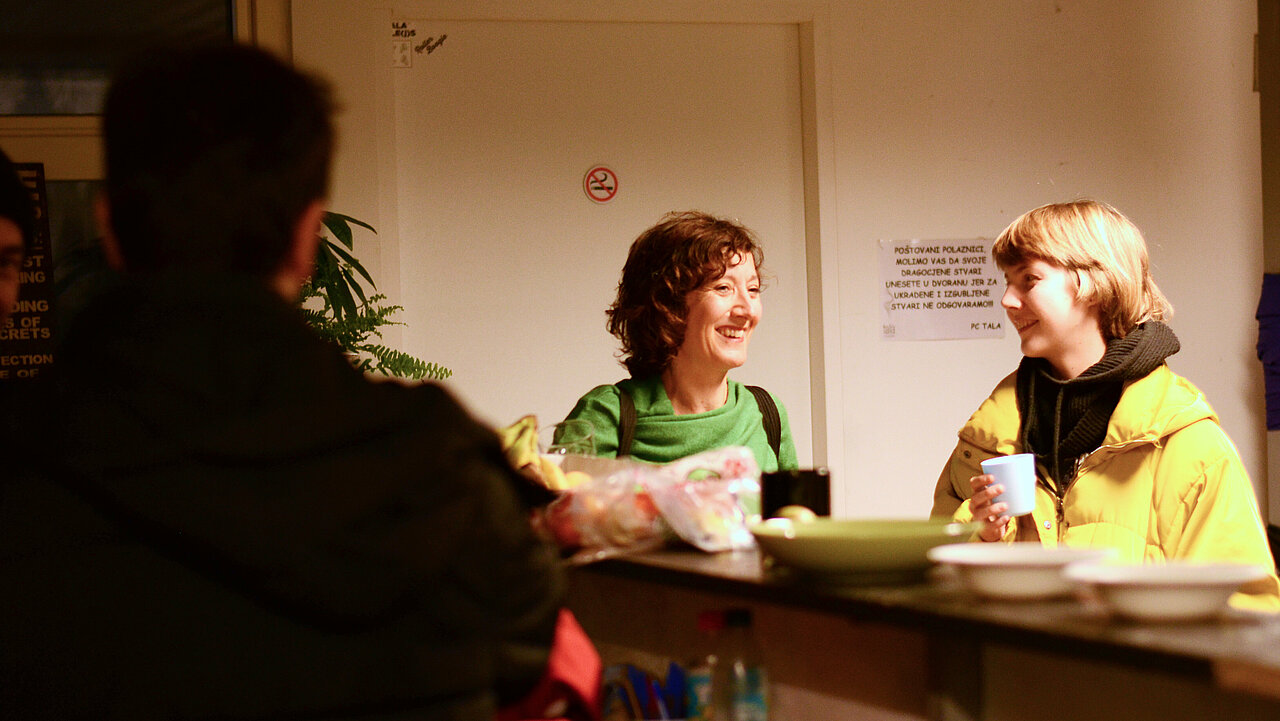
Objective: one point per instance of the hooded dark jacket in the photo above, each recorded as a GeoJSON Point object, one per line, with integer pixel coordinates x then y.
{"type": "Point", "coordinates": [230, 522]}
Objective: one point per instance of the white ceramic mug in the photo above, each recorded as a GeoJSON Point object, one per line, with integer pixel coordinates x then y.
{"type": "Point", "coordinates": [1017, 473]}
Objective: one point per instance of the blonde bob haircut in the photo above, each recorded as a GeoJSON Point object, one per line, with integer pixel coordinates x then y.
{"type": "Point", "coordinates": [1104, 250]}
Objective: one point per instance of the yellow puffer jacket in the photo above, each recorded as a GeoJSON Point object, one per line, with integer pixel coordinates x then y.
{"type": "Point", "coordinates": [1166, 483]}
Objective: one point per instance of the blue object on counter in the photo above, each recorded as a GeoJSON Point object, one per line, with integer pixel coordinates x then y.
{"type": "Point", "coordinates": [660, 703]}
{"type": "Point", "coordinates": [673, 690]}
{"type": "Point", "coordinates": [636, 694]}
{"type": "Point", "coordinates": [619, 678]}
{"type": "Point", "coordinates": [640, 684]}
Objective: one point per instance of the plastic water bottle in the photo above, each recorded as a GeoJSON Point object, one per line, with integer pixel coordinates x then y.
{"type": "Point", "coordinates": [701, 670]}
{"type": "Point", "coordinates": [740, 684]}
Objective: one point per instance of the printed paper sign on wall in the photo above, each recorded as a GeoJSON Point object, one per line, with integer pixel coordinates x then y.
{"type": "Point", "coordinates": [406, 42]}
{"type": "Point", "coordinates": [26, 340]}
{"type": "Point", "coordinates": [939, 289]}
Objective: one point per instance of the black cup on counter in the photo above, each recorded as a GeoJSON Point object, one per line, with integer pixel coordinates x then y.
{"type": "Point", "coordinates": [810, 488]}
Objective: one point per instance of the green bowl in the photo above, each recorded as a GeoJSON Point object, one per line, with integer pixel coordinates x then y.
{"type": "Point", "coordinates": [857, 549]}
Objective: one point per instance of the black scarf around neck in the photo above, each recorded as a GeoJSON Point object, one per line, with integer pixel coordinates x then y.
{"type": "Point", "coordinates": [1062, 420]}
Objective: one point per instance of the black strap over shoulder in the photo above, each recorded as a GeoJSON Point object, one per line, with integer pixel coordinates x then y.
{"type": "Point", "coordinates": [768, 410]}
{"type": "Point", "coordinates": [626, 423]}
{"type": "Point", "coordinates": [772, 420]}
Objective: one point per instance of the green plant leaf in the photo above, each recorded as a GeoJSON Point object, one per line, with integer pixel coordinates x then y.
{"type": "Point", "coordinates": [338, 226]}
{"type": "Point", "coordinates": [351, 260]}
{"type": "Point", "coordinates": [349, 318]}
{"type": "Point", "coordinates": [397, 363]}
{"type": "Point", "coordinates": [352, 284]}
{"type": "Point", "coordinates": [349, 220]}
{"type": "Point", "coordinates": [341, 300]}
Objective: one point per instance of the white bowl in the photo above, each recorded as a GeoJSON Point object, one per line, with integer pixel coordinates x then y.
{"type": "Point", "coordinates": [1172, 591]}
{"type": "Point", "coordinates": [1017, 571]}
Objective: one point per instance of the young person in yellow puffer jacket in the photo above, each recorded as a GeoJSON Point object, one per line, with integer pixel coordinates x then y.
{"type": "Point", "coordinates": [1129, 454]}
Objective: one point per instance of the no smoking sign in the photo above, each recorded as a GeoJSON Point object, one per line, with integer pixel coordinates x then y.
{"type": "Point", "coordinates": [600, 184]}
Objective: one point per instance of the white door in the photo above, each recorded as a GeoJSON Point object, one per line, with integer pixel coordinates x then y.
{"type": "Point", "coordinates": [486, 130]}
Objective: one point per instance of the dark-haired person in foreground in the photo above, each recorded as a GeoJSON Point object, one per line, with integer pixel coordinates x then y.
{"type": "Point", "coordinates": [240, 525]}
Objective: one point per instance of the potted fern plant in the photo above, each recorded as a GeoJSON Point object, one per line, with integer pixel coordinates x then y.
{"type": "Point", "coordinates": [337, 306]}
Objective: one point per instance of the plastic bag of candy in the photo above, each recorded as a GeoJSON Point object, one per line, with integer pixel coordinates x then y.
{"type": "Point", "coordinates": [708, 500]}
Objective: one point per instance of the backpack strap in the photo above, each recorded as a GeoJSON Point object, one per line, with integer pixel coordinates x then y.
{"type": "Point", "coordinates": [626, 423]}
{"type": "Point", "coordinates": [772, 420]}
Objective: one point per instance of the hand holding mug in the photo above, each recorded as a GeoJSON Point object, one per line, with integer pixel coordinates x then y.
{"type": "Point", "coordinates": [986, 510]}
{"type": "Point", "coordinates": [1007, 488]}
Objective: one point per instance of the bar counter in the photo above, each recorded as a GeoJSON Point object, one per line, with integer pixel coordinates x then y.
{"type": "Point", "coordinates": [927, 649]}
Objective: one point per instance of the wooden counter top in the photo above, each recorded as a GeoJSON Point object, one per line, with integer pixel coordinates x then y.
{"type": "Point", "coordinates": [1240, 651]}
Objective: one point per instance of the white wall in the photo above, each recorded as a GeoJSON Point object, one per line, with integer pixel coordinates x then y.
{"type": "Point", "coordinates": [950, 118]}
{"type": "Point", "coordinates": [954, 117]}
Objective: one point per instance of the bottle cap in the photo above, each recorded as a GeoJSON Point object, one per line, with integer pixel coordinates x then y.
{"type": "Point", "coordinates": [710, 621]}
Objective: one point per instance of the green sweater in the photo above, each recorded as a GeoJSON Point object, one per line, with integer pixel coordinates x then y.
{"type": "Point", "coordinates": [661, 436]}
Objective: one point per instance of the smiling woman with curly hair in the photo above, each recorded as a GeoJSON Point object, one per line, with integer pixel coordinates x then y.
{"type": "Point", "coordinates": [687, 306]}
